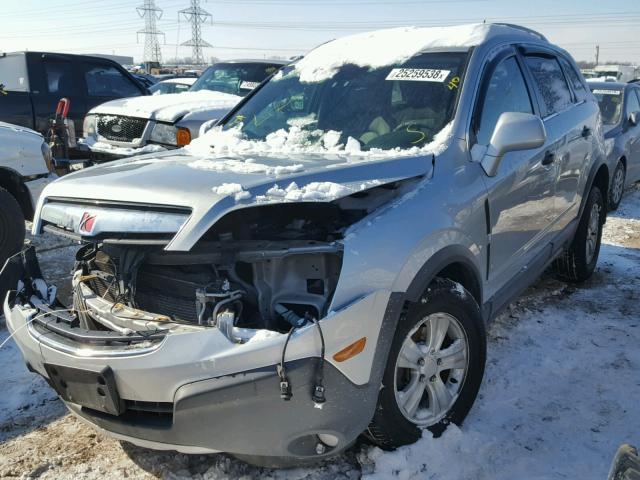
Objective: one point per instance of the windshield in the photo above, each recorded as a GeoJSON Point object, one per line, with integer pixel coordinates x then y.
{"type": "Point", "coordinates": [234, 78]}
{"type": "Point", "coordinates": [610, 101]}
{"type": "Point", "coordinates": [168, 87]}
{"type": "Point", "coordinates": [397, 106]}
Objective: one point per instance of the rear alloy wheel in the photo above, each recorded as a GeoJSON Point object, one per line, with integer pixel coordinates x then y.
{"type": "Point", "coordinates": [434, 368]}
{"type": "Point", "coordinates": [578, 262]}
{"type": "Point", "coordinates": [617, 186]}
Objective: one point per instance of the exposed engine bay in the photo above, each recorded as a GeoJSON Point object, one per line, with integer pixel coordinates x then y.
{"type": "Point", "coordinates": [243, 274]}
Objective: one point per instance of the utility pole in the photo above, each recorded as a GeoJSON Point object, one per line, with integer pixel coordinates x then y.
{"type": "Point", "coordinates": [196, 15]}
{"type": "Point", "coordinates": [597, 54]}
{"type": "Point", "coordinates": [150, 13]}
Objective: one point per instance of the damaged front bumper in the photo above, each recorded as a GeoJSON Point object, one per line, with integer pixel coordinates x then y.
{"type": "Point", "coordinates": [190, 388]}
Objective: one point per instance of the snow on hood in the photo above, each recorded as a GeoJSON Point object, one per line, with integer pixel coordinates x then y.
{"type": "Point", "coordinates": [170, 107]}
{"type": "Point", "coordinates": [387, 47]}
{"type": "Point", "coordinates": [211, 187]}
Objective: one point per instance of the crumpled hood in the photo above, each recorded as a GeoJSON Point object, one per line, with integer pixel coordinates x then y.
{"type": "Point", "coordinates": [170, 107]}
{"type": "Point", "coordinates": [211, 187]}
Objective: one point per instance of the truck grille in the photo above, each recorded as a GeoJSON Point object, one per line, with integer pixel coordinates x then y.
{"type": "Point", "coordinates": [119, 128]}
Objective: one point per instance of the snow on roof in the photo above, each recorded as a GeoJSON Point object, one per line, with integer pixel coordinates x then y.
{"type": "Point", "coordinates": [390, 46]}
{"type": "Point", "coordinates": [181, 80]}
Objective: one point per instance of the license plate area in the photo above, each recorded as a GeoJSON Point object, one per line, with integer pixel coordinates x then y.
{"type": "Point", "coordinates": [87, 388]}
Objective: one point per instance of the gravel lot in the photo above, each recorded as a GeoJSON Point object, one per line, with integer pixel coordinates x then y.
{"type": "Point", "coordinates": [560, 394]}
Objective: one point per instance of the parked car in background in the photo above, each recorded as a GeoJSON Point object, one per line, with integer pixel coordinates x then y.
{"type": "Point", "coordinates": [620, 110]}
{"type": "Point", "coordinates": [34, 82]}
{"type": "Point", "coordinates": [145, 79]}
{"type": "Point", "coordinates": [133, 126]}
{"type": "Point", "coordinates": [26, 167]}
{"type": "Point", "coordinates": [323, 263]}
{"type": "Point", "coordinates": [173, 85]}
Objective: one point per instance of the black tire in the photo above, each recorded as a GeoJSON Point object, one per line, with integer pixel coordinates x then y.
{"type": "Point", "coordinates": [615, 196]}
{"type": "Point", "coordinates": [390, 428]}
{"type": "Point", "coordinates": [574, 265]}
{"type": "Point", "coordinates": [12, 230]}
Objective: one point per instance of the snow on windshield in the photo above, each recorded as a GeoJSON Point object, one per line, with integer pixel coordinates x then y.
{"type": "Point", "coordinates": [385, 47]}
{"type": "Point", "coordinates": [217, 142]}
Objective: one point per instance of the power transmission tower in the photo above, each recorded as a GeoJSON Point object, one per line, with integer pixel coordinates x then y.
{"type": "Point", "coordinates": [150, 13]}
{"type": "Point", "coordinates": [196, 15]}
{"type": "Point", "coordinates": [597, 54]}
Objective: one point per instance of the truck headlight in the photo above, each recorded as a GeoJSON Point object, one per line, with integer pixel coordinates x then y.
{"type": "Point", "coordinates": [90, 126]}
{"type": "Point", "coordinates": [170, 135]}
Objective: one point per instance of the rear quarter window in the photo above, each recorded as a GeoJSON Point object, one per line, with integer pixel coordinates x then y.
{"type": "Point", "coordinates": [550, 82]}
{"type": "Point", "coordinates": [574, 79]}
{"type": "Point", "coordinates": [13, 73]}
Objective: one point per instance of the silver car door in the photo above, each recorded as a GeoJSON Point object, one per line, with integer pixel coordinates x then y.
{"type": "Point", "coordinates": [521, 194]}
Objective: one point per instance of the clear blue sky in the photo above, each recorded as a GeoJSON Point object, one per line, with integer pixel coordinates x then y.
{"type": "Point", "coordinates": [258, 28]}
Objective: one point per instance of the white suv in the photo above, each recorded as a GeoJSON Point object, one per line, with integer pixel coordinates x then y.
{"type": "Point", "coordinates": [25, 169]}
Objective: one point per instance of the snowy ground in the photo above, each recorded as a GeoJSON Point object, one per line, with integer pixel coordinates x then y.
{"type": "Point", "coordinates": [560, 394]}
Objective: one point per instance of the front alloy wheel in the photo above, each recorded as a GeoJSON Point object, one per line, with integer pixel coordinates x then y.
{"type": "Point", "coordinates": [430, 369]}
{"type": "Point", "coordinates": [434, 367]}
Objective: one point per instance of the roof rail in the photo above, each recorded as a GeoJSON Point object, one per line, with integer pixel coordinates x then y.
{"type": "Point", "coordinates": [524, 29]}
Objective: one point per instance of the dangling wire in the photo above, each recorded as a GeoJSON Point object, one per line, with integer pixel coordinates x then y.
{"type": "Point", "coordinates": [285, 386]}
{"type": "Point", "coordinates": [318, 389]}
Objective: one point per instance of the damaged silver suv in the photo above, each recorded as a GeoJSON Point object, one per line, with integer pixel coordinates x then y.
{"type": "Point", "coordinates": [323, 263]}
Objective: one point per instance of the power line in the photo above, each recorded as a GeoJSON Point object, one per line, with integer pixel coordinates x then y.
{"type": "Point", "coordinates": [196, 15]}
{"type": "Point", "coordinates": [150, 13]}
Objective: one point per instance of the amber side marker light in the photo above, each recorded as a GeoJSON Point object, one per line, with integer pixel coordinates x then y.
{"type": "Point", "coordinates": [351, 351]}
{"type": "Point", "coordinates": [183, 137]}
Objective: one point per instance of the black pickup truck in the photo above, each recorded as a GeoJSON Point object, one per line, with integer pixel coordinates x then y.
{"type": "Point", "coordinates": [32, 83]}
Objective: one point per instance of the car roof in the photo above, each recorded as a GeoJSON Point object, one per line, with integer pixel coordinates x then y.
{"type": "Point", "coordinates": [249, 60]}
{"type": "Point", "coordinates": [59, 54]}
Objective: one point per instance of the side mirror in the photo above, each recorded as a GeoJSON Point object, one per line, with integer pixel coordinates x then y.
{"type": "Point", "coordinates": [514, 131]}
{"type": "Point", "coordinates": [634, 118]}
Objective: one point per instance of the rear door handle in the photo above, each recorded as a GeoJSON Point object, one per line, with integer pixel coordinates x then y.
{"type": "Point", "coordinates": [586, 132]}
{"type": "Point", "coordinates": [548, 159]}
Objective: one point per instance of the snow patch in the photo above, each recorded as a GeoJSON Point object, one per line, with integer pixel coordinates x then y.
{"type": "Point", "coordinates": [314, 191]}
{"type": "Point", "coordinates": [217, 142]}
{"type": "Point", "coordinates": [169, 107]}
{"type": "Point", "coordinates": [248, 165]}
{"type": "Point", "coordinates": [102, 147]}
{"type": "Point", "coordinates": [235, 189]}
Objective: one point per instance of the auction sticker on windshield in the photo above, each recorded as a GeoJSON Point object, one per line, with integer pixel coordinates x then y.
{"type": "Point", "coordinates": [418, 74]}
{"type": "Point", "coordinates": [249, 85]}
{"type": "Point", "coordinates": [606, 92]}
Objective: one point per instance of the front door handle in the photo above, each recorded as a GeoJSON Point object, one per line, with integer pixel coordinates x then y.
{"type": "Point", "coordinates": [548, 159]}
{"type": "Point", "coordinates": [586, 132]}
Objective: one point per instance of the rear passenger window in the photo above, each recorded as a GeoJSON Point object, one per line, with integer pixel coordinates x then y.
{"type": "Point", "coordinates": [506, 92]}
{"type": "Point", "coordinates": [58, 77]}
{"type": "Point", "coordinates": [550, 82]}
{"type": "Point", "coordinates": [107, 81]}
{"type": "Point", "coordinates": [574, 79]}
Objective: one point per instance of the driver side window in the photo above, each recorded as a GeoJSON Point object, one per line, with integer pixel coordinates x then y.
{"type": "Point", "coordinates": [506, 92]}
